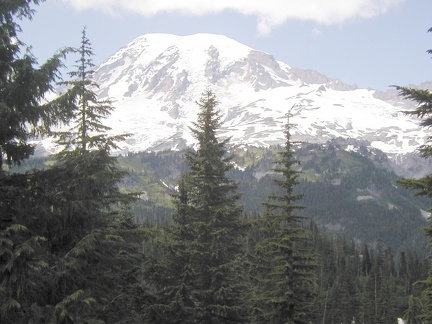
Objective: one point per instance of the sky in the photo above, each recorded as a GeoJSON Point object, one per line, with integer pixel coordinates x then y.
{"type": "Point", "coordinates": [370, 43]}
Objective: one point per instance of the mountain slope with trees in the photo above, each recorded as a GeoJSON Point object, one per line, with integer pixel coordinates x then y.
{"type": "Point", "coordinates": [350, 193]}
{"type": "Point", "coordinates": [348, 190]}
{"type": "Point", "coordinates": [215, 233]}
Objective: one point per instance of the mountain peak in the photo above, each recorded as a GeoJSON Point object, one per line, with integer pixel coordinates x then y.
{"type": "Point", "coordinates": [156, 79]}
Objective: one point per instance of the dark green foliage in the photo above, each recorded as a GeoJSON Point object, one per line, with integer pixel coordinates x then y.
{"type": "Point", "coordinates": [69, 251]}
{"type": "Point", "coordinates": [22, 260]}
{"type": "Point", "coordinates": [203, 280]}
{"type": "Point", "coordinates": [68, 243]}
{"type": "Point", "coordinates": [361, 284]}
{"type": "Point", "coordinates": [92, 238]}
{"type": "Point", "coordinates": [90, 231]}
{"type": "Point", "coordinates": [388, 212]}
{"type": "Point", "coordinates": [423, 186]}
{"type": "Point", "coordinates": [341, 262]}
{"type": "Point", "coordinates": [365, 203]}
{"type": "Point", "coordinates": [23, 88]}
{"type": "Point", "coordinates": [172, 275]}
{"type": "Point", "coordinates": [286, 265]}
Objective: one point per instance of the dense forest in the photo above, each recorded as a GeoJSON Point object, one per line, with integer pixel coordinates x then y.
{"type": "Point", "coordinates": [356, 189]}
{"type": "Point", "coordinates": [293, 234]}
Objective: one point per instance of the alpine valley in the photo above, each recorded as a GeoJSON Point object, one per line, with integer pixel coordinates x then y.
{"type": "Point", "coordinates": [356, 142]}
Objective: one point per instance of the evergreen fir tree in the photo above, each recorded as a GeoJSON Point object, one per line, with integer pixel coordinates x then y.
{"type": "Point", "coordinates": [90, 234]}
{"type": "Point", "coordinates": [68, 246]}
{"type": "Point", "coordinates": [22, 88]}
{"type": "Point", "coordinates": [206, 281]}
{"type": "Point", "coordinates": [88, 132]}
{"type": "Point", "coordinates": [22, 254]}
{"type": "Point", "coordinates": [423, 186]}
{"type": "Point", "coordinates": [23, 258]}
{"type": "Point", "coordinates": [414, 310]}
{"type": "Point", "coordinates": [171, 273]}
{"type": "Point", "coordinates": [286, 286]}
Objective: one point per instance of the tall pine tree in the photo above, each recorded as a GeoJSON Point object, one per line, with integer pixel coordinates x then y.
{"type": "Point", "coordinates": [23, 87]}
{"type": "Point", "coordinates": [423, 186]}
{"type": "Point", "coordinates": [205, 281]}
{"type": "Point", "coordinates": [285, 273]}
{"type": "Point", "coordinates": [88, 132]}
{"type": "Point", "coordinates": [68, 246]}
{"type": "Point", "coordinates": [91, 234]}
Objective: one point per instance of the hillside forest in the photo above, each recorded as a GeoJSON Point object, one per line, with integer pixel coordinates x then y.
{"type": "Point", "coordinates": [298, 233]}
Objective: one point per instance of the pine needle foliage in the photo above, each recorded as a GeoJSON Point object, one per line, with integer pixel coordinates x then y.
{"type": "Point", "coordinates": [284, 264]}
{"type": "Point", "coordinates": [69, 250]}
{"type": "Point", "coordinates": [204, 281]}
{"type": "Point", "coordinates": [423, 186]}
{"type": "Point", "coordinates": [23, 87]}
{"type": "Point", "coordinates": [88, 131]}
{"type": "Point", "coordinates": [91, 233]}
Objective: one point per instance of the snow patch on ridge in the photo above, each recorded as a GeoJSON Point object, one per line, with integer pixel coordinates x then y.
{"type": "Point", "coordinates": [155, 81]}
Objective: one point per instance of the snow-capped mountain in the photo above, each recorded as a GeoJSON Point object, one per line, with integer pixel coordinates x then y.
{"type": "Point", "coordinates": [155, 81]}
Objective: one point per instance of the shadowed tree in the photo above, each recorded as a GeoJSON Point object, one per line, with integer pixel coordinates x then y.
{"type": "Point", "coordinates": [205, 279]}
{"type": "Point", "coordinates": [69, 253]}
{"type": "Point", "coordinates": [423, 186]}
{"type": "Point", "coordinates": [91, 234]}
{"type": "Point", "coordinates": [23, 117]}
{"type": "Point", "coordinates": [286, 266]}
{"type": "Point", "coordinates": [23, 87]}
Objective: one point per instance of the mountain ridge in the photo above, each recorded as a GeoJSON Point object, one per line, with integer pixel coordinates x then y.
{"type": "Point", "coordinates": [155, 80]}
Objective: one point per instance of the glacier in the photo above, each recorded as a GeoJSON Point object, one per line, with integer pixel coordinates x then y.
{"type": "Point", "coordinates": [155, 81]}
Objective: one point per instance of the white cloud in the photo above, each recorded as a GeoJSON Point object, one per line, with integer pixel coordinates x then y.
{"type": "Point", "coordinates": [270, 13]}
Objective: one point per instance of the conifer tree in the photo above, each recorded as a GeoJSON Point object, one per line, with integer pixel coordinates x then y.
{"type": "Point", "coordinates": [23, 87]}
{"type": "Point", "coordinates": [88, 132]}
{"type": "Point", "coordinates": [286, 279]}
{"type": "Point", "coordinates": [423, 186]}
{"type": "Point", "coordinates": [89, 232]}
{"type": "Point", "coordinates": [171, 273]}
{"type": "Point", "coordinates": [205, 281]}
